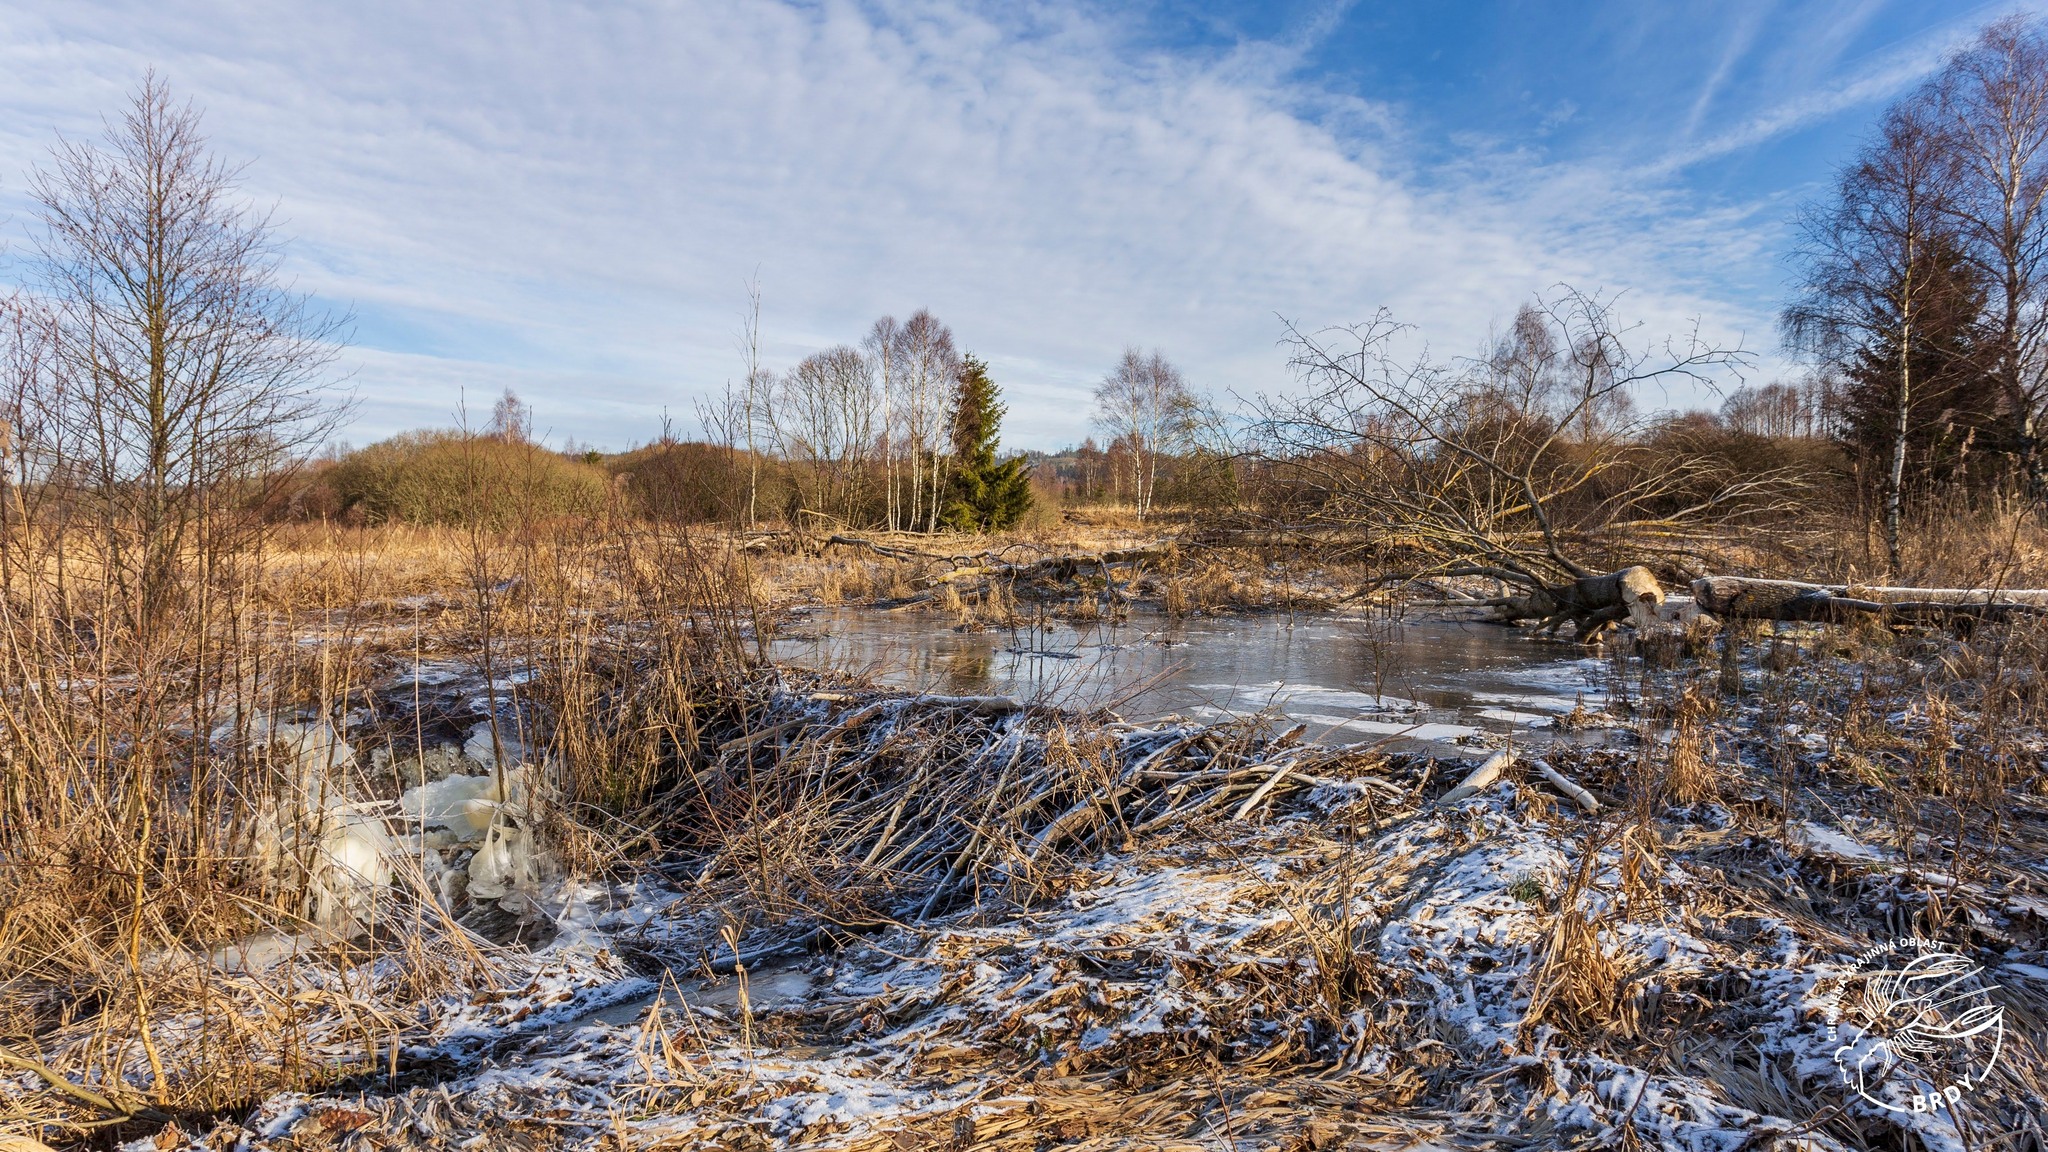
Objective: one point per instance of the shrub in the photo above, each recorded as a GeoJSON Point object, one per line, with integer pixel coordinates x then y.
{"type": "Point", "coordinates": [685, 481]}
{"type": "Point", "coordinates": [458, 478]}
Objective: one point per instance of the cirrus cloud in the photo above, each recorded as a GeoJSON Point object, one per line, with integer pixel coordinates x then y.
{"type": "Point", "coordinates": [568, 199]}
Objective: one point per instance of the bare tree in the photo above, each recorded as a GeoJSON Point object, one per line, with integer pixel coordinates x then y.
{"type": "Point", "coordinates": [1145, 403]}
{"type": "Point", "coordinates": [33, 451]}
{"type": "Point", "coordinates": [189, 367]}
{"type": "Point", "coordinates": [159, 379]}
{"type": "Point", "coordinates": [1992, 101]}
{"type": "Point", "coordinates": [1526, 364]}
{"type": "Point", "coordinates": [1456, 470]}
{"type": "Point", "coordinates": [1873, 261]}
{"type": "Point", "coordinates": [929, 364]}
{"type": "Point", "coordinates": [511, 419]}
{"type": "Point", "coordinates": [753, 415]}
{"type": "Point", "coordinates": [884, 347]}
{"type": "Point", "coordinates": [825, 415]}
{"type": "Point", "coordinates": [1779, 411]}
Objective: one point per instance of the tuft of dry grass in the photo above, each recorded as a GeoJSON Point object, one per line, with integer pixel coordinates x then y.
{"type": "Point", "coordinates": [174, 785]}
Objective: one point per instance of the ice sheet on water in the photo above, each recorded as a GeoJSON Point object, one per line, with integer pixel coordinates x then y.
{"type": "Point", "coordinates": [1545, 704]}
{"type": "Point", "coordinates": [1413, 730]}
{"type": "Point", "coordinates": [1511, 716]}
{"type": "Point", "coordinates": [434, 674]}
{"type": "Point", "coordinates": [1283, 694]}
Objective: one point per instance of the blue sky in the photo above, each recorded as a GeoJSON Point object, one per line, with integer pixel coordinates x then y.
{"type": "Point", "coordinates": [568, 199]}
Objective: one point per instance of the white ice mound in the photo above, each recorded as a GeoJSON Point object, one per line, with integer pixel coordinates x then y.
{"type": "Point", "coordinates": [482, 748]}
{"type": "Point", "coordinates": [311, 834]}
{"type": "Point", "coordinates": [314, 747]}
{"type": "Point", "coordinates": [491, 811]}
{"type": "Point", "coordinates": [465, 806]}
{"type": "Point", "coordinates": [505, 863]}
{"type": "Point", "coordinates": [352, 865]}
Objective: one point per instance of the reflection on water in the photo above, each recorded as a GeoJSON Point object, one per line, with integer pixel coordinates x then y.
{"type": "Point", "coordinates": [1348, 678]}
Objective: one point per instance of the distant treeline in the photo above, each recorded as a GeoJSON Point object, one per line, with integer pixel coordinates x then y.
{"type": "Point", "coordinates": [499, 476]}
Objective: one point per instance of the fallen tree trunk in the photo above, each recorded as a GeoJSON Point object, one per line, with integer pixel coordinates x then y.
{"type": "Point", "coordinates": [1743, 598]}
{"type": "Point", "coordinates": [1632, 593]}
{"type": "Point", "coordinates": [895, 552]}
{"type": "Point", "coordinates": [991, 565]}
{"type": "Point", "coordinates": [1054, 567]}
{"type": "Point", "coordinates": [1592, 604]}
{"type": "Point", "coordinates": [1480, 778]}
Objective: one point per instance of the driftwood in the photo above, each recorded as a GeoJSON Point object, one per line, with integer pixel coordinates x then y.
{"type": "Point", "coordinates": [1742, 598]}
{"type": "Point", "coordinates": [1568, 786]}
{"type": "Point", "coordinates": [1489, 772]}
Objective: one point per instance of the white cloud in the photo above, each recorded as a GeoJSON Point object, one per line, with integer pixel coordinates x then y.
{"type": "Point", "coordinates": [1739, 40]}
{"type": "Point", "coordinates": [569, 199]}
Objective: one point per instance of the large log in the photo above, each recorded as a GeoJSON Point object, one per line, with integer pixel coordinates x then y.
{"type": "Point", "coordinates": [1592, 604]}
{"type": "Point", "coordinates": [1632, 593]}
{"type": "Point", "coordinates": [1743, 598]}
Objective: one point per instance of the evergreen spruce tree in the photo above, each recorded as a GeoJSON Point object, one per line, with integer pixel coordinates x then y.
{"type": "Point", "coordinates": [985, 494]}
{"type": "Point", "coordinates": [1955, 427]}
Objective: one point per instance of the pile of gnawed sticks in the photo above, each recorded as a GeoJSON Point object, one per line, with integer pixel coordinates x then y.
{"type": "Point", "coordinates": [858, 806]}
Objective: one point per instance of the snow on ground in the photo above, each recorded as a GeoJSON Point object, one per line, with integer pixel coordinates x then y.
{"type": "Point", "coordinates": [1361, 968]}
{"type": "Point", "coordinates": [1401, 965]}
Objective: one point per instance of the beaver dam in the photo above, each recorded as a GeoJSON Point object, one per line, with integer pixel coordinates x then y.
{"type": "Point", "coordinates": [863, 917]}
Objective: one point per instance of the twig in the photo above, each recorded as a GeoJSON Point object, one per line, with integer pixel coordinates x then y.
{"type": "Point", "coordinates": [79, 1093]}
{"type": "Point", "coordinates": [1259, 793]}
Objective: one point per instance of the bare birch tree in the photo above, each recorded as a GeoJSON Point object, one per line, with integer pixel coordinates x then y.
{"type": "Point", "coordinates": [753, 417]}
{"type": "Point", "coordinates": [1872, 261]}
{"type": "Point", "coordinates": [1993, 106]}
{"type": "Point", "coordinates": [1145, 403]}
{"type": "Point", "coordinates": [511, 419]}
{"type": "Point", "coordinates": [883, 345]}
{"type": "Point", "coordinates": [930, 366]}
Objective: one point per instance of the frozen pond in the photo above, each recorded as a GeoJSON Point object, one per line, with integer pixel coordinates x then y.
{"type": "Point", "coordinates": [1348, 678]}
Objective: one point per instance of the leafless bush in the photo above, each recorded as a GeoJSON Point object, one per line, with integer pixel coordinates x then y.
{"type": "Point", "coordinates": [1528, 465]}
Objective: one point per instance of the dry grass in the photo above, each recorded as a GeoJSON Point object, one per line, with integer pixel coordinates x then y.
{"type": "Point", "coordinates": [173, 784]}
{"type": "Point", "coordinates": [1501, 966]}
{"type": "Point", "coordinates": [151, 819]}
{"type": "Point", "coordinates": [863, 810]}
